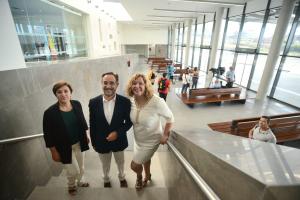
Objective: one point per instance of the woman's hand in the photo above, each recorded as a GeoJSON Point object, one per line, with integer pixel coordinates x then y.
{"type": "Point", "coordinates": [164, 139]}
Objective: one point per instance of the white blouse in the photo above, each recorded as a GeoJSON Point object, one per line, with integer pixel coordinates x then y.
{"type": "Point", "coordinates": [266, 136]}
{"type": "Point", "coordinates": [147, 124]}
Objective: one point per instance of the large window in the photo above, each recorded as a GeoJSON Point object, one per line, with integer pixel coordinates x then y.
{"type": "Point", "coordinates": [204, 59]}
{"type": "Point", "coordinates": [190, 56]}
{"type": "Point", "coordinates": [232, 32]}
{"type": "Point", "coordinates": [295, 47]}
{"type": "Point", "coordinates": [48, 31]}
{"type": "Point", "coordinates": [251, 30]}
{"type": "Point", "coordinates": [259, 69]}
{"type": "Point", "coordinates": [288, 89]}
{"type": "Point", "coordinates": [196, 57]}
{"type": "Point", "coordinates": [207, 33]}
{"type": "Point", "coordinates": [198, 35]}
{"type": "Point", "coordinates": [227, 59]}
{"type": "Point", "coordinates": [270, 29]}
{"type": "Point", "coordinates": [243, 68]}
{"type": "Point", "coordinates": [191, 44]}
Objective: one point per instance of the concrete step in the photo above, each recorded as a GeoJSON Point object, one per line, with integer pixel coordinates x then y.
{"type": "Point", "coordinates": [97, 182]}
{"type": "Point", "coordinates": [93, 172]}
{"type": "Point", "coordinates": [61, 193]}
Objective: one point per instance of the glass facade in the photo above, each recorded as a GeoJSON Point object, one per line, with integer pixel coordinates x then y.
{"type": "Point", "coordinates": [48, 31]}
{"type": "Point", "coordinates": [248, 53]}
{"type": "Point", "coordinates": [232, 32]}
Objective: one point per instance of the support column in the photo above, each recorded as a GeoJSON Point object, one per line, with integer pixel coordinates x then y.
{"type": "Point", "coordinates": [188, 43]}
{"type": "Point", "coordinates": [281, 27]}
{"type": "Point", "coordinates": [173, 28]}
{"type": "Point", "coordinates": [214, 44]}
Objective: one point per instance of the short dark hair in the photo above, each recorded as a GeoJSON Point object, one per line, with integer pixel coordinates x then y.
{"type": "Point", "coordinates": [60, 84]}
{"type": "Point", "coordinates": [111, 73]}
{"type": "Point", "coordinates": [267, 118]}
{"type": "Point", "coordinates": [164, 75]}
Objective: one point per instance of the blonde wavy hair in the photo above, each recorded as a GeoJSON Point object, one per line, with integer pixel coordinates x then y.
{"type": "Point", "coordinates": [148, 87]}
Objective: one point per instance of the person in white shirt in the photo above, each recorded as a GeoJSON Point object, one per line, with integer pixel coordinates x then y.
{"type": "Point", "coordinates": [262, 131]}
{"type": "Point", "coordinates": [216, 84]}
{"type": "Point", "coordinates": [109, 123]}
{"type": "Point", "coordinates": [186, 79]}
{"type": "Point", "coordinates": [230, 77]}
{"type": "Point", "coordinates": [152, 120]}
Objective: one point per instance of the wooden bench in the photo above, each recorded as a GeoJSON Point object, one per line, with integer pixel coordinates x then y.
{"type": "Point", "coordinates": [162, 67]}
{"type": "Point", "coordinates": [178, 66]}
{"type": "Point", "coordinates": [286, 127]}
{"type": "Point", "coordinates": [155, 59]}
{"type": "Point", "coordinates": [210, 95]}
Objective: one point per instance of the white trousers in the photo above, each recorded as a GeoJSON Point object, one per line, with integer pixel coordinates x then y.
{"type": "Point", "coordinates": [106, 160]}
{"type": "Point", "coordinates": [75, 170]}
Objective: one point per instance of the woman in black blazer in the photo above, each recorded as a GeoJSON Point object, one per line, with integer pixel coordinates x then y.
{"type": "Point", "coordinates": [65, 134]}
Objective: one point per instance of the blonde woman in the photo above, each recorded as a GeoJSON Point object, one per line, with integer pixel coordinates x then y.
{"type": "Point", "coordinates": [146, 112]}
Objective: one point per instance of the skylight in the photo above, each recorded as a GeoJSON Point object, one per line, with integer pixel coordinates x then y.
{"type": "Point", "coordinates": [116, 10]}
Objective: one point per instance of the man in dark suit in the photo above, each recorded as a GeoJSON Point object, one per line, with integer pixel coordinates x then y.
{"type": "Point", "coordinates": [109, 122]}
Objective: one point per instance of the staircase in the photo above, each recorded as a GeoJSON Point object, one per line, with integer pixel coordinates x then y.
{"type": "Point", "coordinates": [56, 188]}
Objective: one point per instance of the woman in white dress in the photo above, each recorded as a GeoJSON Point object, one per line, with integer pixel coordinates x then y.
{"type": "Point", "coordinates": [147, 110]}
{"type": "Point", "coordinates": [262, 131]}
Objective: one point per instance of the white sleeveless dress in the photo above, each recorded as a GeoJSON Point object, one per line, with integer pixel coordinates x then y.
{"type": "Point", "coordinates": [147, 127]}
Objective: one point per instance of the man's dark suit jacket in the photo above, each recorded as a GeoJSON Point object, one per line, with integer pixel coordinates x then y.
{"type": "Point", "coordinates": [100, 129]}
{"type": "Point", "coordinates": [55, 131]}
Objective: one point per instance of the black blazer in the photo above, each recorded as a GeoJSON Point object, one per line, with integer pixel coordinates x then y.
{"type": "Point", "coordinates": [99, 127]}
{"type": "Point", "coordinates": [55, 131]}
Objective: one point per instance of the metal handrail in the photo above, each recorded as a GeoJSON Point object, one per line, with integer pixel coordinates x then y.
{"type": "Point", "coordinates": [210, 194]}
{"type": "Point", "coordinates": [17, 139]}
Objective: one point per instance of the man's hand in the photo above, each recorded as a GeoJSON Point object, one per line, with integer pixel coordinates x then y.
{"type": "Point", "coordinates": [112, 136]}
{"type": "Point", "coordinates": [55, 155]}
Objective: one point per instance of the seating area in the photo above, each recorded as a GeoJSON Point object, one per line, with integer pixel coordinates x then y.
{"type": "Point", "coordinates": [160, 62]}
{"type": "Point", "coordinates": [286, 127]}
{"type": "Point", "coordinates": [211, 95]}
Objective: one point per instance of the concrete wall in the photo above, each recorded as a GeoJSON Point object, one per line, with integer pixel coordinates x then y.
{"type": "Point", "coordinates": [236, 167]}
{"type": "Point", "coordinates": [137, 34]}
{"type": "Point", "coordinates": [25, 94]}
{"type": "Point", "coordinates": [179, 183]}
{"type": "Point", "coordinates": [141, 49]}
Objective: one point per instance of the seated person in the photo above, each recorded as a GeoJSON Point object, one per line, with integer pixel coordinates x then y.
{"type": "Point", "coordinates": [216, 84]}
{"type": "Point", "coordinates": [262, 131]}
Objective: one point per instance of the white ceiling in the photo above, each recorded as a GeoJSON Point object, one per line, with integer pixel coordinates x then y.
{"type": "Point", "coordinates": [142, 11]}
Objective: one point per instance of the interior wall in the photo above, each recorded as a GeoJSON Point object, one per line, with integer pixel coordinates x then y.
{"type": "Point", "coordinates": [137, 34]}
{"type": "Point", "coordinates": [140, 49]}
{"type": "Point", "coordinates": [161, 50]}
